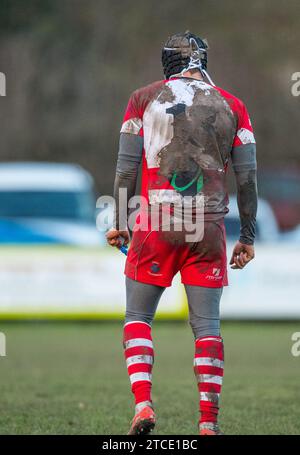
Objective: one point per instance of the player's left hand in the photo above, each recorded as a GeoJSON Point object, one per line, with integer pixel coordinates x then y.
{"type": "Point", "coordinates": [241, 255]}
{"type": "Point", "coordinates": [117, 238]}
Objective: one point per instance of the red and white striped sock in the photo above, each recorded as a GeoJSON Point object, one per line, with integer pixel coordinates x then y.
{"type": "Point", "coordinates": [208, 367]}
{"type": "Point", "coordinates": [139, 355]}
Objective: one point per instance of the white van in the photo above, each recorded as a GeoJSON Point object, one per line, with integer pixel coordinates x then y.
{"type": "Point", "coordinates": [44, 203]}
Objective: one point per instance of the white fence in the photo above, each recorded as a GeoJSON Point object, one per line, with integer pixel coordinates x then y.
{"type": "Point", "coordinates": [64, 282]}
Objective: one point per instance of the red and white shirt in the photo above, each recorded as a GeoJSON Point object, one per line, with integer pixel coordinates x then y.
{"type": "Point", "coordinates": [189, 130]}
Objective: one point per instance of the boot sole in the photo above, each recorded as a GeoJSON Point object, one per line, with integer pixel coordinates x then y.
{"type": "Point", "coordinates": [143, 426]}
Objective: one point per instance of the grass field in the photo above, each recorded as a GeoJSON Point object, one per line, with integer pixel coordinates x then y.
{"type": "Point", "coordinates": [61, 378]}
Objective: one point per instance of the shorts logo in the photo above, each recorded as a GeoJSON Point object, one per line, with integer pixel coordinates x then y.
{"type": "Point", "coordinates": [154, 267]}
{"type": "Point", "coordinates": [216, 272]}
{"type": "Point", "coordinates": [216, 275]}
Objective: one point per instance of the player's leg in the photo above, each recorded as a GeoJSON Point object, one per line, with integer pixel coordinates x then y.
{"type": "Point", "coordinates": [204, 318]}
{"type": "Point", "coordinates": [151, 263]}
{"type": "Point", "coordinates": [141, 303]}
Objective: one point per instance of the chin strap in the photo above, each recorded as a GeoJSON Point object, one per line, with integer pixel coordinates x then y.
{"type": "Point", "coordinates": [205, 74]}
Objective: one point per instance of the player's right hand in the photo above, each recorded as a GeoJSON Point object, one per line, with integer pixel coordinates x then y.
{"type": "Point", "coordinates": [117, 238]}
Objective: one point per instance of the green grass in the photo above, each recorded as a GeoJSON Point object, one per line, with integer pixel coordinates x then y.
{"type": "Point", "coordinates": [61, 378]}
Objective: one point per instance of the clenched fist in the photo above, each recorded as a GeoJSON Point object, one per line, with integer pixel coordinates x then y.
{"type": "Point", "coordinates": [117, 238]}
{"type": "Point", "coordinates": [242, 254]}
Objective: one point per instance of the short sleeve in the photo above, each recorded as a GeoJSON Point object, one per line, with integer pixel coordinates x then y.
{"type": "Point", "coordinates": [132, 121]}
{"type": "Point", "coordinates": [244, 134]}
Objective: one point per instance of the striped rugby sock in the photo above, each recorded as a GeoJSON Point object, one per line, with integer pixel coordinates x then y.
{"type": "Point", "coordinates": [139, 356]}
{"type": "Point", "coordinates": [208, 367]}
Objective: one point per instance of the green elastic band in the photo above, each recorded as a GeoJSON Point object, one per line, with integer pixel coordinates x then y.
{"type": "Point", "coordinates": [182, 188]}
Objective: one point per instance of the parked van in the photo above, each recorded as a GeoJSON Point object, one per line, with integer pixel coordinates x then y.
{"type": "Point", "coordinates": [47, 203]}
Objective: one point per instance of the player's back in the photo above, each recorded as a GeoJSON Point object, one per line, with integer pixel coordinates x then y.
{"type": "Point", "coordinates": [189, 128]}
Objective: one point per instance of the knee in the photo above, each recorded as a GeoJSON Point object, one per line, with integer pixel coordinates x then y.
{"type": "Point", "coordinates": [131, 316]}
{"type": "Point", "coordinates": [203, 327]}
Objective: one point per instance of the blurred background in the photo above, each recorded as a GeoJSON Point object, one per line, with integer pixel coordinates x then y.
{"type": "Point", "coordinates": [70, 68]}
